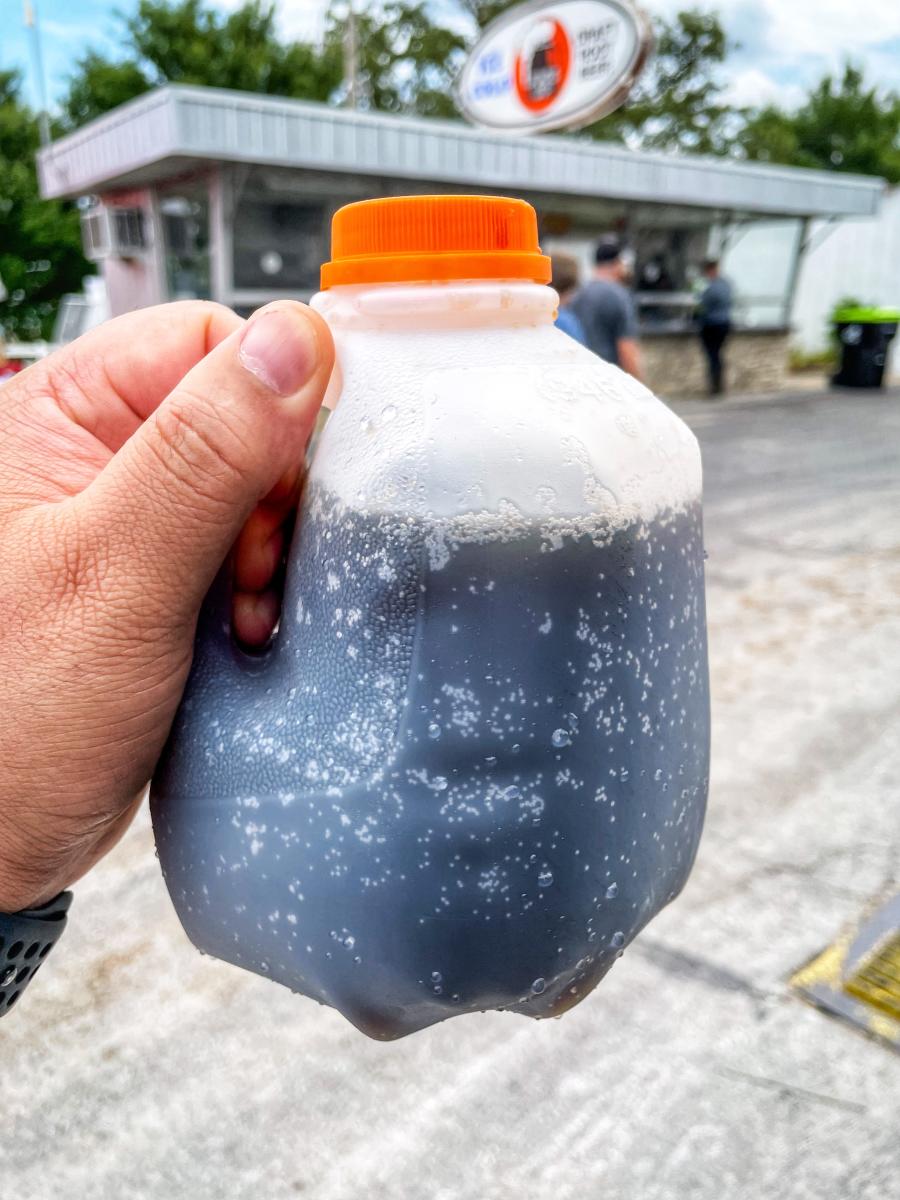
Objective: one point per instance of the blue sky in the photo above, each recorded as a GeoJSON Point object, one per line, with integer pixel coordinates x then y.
{"type": "Point", "coordinates": [785, 44]}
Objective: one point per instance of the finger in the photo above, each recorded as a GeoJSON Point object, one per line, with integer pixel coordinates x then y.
{"type": "Point", "coordinates": [169, 505]}
{"type": "Point", "coordinates": [254, 616]}
{"type": "Point", "coordinates": [258, 550]}
{"type": "Point", "coordinates": [110, 380]}
{"type": "Point", "coordinates": [274, 513]}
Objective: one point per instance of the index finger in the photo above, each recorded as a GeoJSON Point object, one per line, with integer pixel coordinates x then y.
{"type": "Point", "coordinates": [112, 378]}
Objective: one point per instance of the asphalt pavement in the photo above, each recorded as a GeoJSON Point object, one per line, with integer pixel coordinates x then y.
{"type": "Point", "coordinates": [135, 1068]}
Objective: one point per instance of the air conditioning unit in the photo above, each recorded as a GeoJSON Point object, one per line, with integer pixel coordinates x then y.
{"type": "Point", "coordinates": [111, 231]}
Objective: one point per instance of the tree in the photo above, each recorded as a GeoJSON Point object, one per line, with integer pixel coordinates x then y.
{"type": "Point", "coordinates": [406, 62]}
{"type": "Point", "coordinates": [191, 42]}
{"type": "Point", "coordinates": [40, 241]}
{"type": "Point", "coordinates": [843, 125]}
{"type": "Point", "coordinates": [676, 104]}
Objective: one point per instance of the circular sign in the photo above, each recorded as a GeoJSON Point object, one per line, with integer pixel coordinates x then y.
{"type": "Point", "coordinates": [554, 65]}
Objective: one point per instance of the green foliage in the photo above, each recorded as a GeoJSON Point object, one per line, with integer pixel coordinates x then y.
{"type": "Point", "coordinates": [100, 85]}
{"type": "Point", "coordinates": [190, 42]}
{"type": "Point", "coordinates": [676, 104]}
{"type": "Point", "coordinates": [406, 62]}
{"type": "Point", "coordinates": [40, 241]}
{"type": "Point", "coordinates": [843, 125]}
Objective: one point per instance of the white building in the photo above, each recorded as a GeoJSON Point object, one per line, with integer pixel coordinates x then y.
{"type": "Point", "coordinates": [201, 192]}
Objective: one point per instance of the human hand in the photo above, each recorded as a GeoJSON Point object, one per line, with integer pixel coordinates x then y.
{"type": "Point", "coordinates": [132, 461]}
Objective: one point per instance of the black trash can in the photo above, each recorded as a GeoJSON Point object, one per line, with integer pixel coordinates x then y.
{"type": "Point", "coordinates": [864, 335]}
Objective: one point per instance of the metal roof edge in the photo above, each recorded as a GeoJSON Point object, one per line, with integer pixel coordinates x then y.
{"type": "Point", "coordinates": [571, 141]}
{"type": "Point", "coordinates": [95, 146]}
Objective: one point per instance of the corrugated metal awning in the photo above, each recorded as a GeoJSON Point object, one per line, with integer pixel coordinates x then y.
{"type": "Point", "coordinates": [173, 127]}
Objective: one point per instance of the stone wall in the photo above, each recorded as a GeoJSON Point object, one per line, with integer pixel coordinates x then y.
{"type": "Point", "coordinates": [755, 361]}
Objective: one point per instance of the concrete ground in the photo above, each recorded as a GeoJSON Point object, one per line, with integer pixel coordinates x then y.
{"type": "Point", "coordinates": [135, 1068]}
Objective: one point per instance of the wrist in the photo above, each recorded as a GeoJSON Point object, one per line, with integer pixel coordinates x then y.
{"type": "Point", "coordinates": [29, 875]}
{"type": "Point", "coordinates": [19, 891]}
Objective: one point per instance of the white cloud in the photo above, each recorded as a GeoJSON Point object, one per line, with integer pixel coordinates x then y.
{"type": "Point", "coordinates": [751, 87]}
{"type": "Point", "coordinates": [794, 42]}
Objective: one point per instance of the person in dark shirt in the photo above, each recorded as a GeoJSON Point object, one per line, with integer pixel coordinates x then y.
{"type": "Point", "coordinates": [714, 318]}
{"type": "Point", "coordinates": [564, 282]}
{"type": "Point", "coordinates": [606, 310]}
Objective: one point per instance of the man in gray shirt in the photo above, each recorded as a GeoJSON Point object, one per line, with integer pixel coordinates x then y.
{"type": "Point", "coordinates": [606, 310]}
{"type": "Point", "coordinates": [714, 317]}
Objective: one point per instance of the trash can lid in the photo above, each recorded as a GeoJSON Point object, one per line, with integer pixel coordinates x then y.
{"type": "Point", "coordinates": [863, 315]}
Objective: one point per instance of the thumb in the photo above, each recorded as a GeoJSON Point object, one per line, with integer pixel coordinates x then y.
{"type": "Point", "coordinates": [166, 509]}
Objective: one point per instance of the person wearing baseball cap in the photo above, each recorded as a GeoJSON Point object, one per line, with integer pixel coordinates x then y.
{"type": "Point", "coordinates": [605, 308]}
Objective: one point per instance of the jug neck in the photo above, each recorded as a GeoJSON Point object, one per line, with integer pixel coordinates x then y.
{"type": "Point", "coordinates": [450, 304]}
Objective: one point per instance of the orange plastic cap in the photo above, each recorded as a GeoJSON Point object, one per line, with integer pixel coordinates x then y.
{"type": "Point", "coordinates": [402, 239]}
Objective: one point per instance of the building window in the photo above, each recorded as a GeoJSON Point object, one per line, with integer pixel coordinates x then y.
{"type": "Point", "coordinates": [128, 231]}
{"type": "Point", "coordinates": [279, 237]}
{"type": "Point", "coordinates": [112, 232]}
{"type": "Point", "coordinates": [185, 223]}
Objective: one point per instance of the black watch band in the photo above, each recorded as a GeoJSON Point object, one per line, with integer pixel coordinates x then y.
{"type": "Point", "coordinates": [26, 938]}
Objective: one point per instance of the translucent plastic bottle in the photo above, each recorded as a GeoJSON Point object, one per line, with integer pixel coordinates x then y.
{"type": "Point", "coordinates": [474, 762]}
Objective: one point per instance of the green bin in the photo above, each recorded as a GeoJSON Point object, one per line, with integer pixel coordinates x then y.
{"type": "Point", "coordinates": [864, 335]}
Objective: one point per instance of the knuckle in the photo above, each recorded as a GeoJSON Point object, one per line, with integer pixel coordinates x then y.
{"type": "Point", "coordinates": [200, 447]}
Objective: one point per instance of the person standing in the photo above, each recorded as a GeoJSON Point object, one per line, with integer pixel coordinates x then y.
{"type": "Point", "coordinates": [606, 310]}
{"type": "Point", "coordinates": [564, 282]}
{"type": "Point", "coordinates": [714, 317]}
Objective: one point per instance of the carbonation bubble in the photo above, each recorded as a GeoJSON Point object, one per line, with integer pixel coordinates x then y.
{"type": "Point", "coordinates": [388, 413]}
{"type": "Point", "coordinates": [437, 977]}
{"type": "Point", "coordinates": [617, 939]}
{"type": "Point", "coordinates": [538, 986]}
{"type": "Point", "coordinates": [439, 783]}
{"type": "Point", "coordinates": [612, 891]}
{"type": "Point", "coordinates": [545, 878]}
{"type": "Point", "coordinates": [434, 730]}
{"type": "Point", "coordinates": [512, 792]}
{"type": "Point", "coordinates": [561, 737]}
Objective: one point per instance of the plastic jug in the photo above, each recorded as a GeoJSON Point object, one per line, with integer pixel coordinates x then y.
{"type": "Point", "coordinates": [473, 763]}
